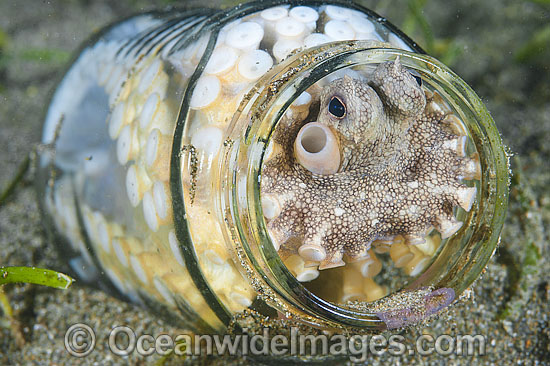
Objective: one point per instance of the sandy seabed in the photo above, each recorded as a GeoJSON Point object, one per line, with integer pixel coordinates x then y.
{"type": "Point", "coordinates": [509, 304]}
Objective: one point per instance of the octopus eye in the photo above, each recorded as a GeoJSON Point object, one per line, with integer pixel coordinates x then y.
{"type": "Point", "coordinates": [417, 78]}
{"type": "Point", "coordinates": [336, 107]}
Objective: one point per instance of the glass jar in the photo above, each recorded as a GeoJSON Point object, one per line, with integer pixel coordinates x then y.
{"type": "Point", "coordinates": [150, 178]}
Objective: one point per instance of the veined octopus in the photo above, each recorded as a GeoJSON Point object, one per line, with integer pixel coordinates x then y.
{"type": "Point", "coordinates": [379, 161]}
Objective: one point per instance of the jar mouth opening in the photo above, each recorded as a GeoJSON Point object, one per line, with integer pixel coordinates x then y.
{"type": "Point", "coordinates": [451, 268]}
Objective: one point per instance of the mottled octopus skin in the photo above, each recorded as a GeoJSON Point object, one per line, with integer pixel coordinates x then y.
{"type": "Point", "coordinates": [400, 172]}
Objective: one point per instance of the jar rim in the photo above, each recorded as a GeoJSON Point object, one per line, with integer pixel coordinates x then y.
{"type": "Point", "coordinates": [253, 245]}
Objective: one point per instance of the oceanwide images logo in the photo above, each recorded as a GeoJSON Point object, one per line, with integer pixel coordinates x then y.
{"type": "Point", "coordinates": [80, 341]}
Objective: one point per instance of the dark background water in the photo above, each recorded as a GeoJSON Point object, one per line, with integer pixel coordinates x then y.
{"type": "Point", "coordinates": [499, 47]}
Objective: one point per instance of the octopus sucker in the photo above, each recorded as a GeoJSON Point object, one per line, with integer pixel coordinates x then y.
{"type": "Point", "coordinates": [369, 266]}
{"type": "Point", "coordinates": [470, 168]}
{"type": "Point", "coordinates": [447, 225]}
{"type": "Point", "coordinates": [414, 239]}
{"type": "Point", "coordinates": [465, 197]}
{"type": "Point", "coordinates": [380, 159]}
{"type": "Point", "coordinates": [400, 254]}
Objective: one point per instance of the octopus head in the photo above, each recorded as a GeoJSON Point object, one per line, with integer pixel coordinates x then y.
{"type": "Point", "coordinates": [364, 116]}
{"type": "Point", "coordinates": [352, 109]}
